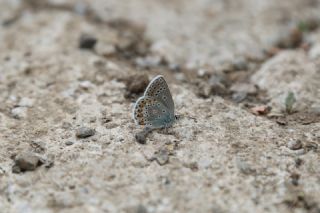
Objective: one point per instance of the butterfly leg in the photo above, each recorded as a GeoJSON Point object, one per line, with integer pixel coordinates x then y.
{"type": "Point", "coordinates": [166, 129]}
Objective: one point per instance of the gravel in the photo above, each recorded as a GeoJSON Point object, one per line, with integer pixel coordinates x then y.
{"type": "Point", "coordinates": [87, 41]}
{"type": "Point", "coordinates": [85, 132]}
{"type": "Point", "coordinates": [26, 161]}
{"type": "Point", "coordinates": [162, 157]}
{"type": "Point", "coordinates": [294, 144]}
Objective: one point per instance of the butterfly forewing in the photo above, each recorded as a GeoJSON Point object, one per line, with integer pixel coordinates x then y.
{"type": "Point", "coordinates": [159, 89]}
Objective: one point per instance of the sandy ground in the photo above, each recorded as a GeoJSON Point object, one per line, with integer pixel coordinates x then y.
{"type": "Point", "coordinates": [244, 76]}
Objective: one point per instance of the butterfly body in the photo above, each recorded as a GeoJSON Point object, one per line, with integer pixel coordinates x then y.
{"type": "Point", "coordinates": [156, 108]}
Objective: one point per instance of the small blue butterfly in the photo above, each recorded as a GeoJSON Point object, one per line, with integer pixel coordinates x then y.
{"type": "Point", "coordinates": [155, 109]}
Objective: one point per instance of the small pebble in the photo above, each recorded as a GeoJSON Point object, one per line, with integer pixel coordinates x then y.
{"type": "Point", "coordinates": [202, 72]}
{"type": "Point", "coordinates": [26, 161]}
{"type": "Point", "coordinates": [86, 85]}
{"type": "Point", "coordinates": [25, 102]}
{"type": "Point", "coordinates": [38, 146]}
{"type": "Point", "coordinates": [19, 112]}
{"type": "Point", "coordinates": [240, 64]}
{"type": "Point", "coordinates": [298, 162]}
{"type": "Point", "coordinates": [162, 157]}
{"type": "Point", "coordinates": [314, 52]}
{"type": "Point", "coordinates": [106, 119]}
{"type": "Point", "coordinates": [217, 85]}
{"type": "Point", "coordinates": [174, 67]}
{"type": "Point", "coordinates": [282, 121]}
{"type": "Point", "coordinates": [69, 143]}
{"type": "Point", "coordinates": [84, 132]}
{"type": "Point", "coordinates": [148, 61]}
{"type": "Point", "coordinates": [244, 87]}
{"type": "Point", "coordinates": [180, 76]}
{"type": "Point", "coordinates": [138, 160]}
{"type": "Point", "coordinates": [239, 96]}
{"type": "Point", "coordinates": [294, 144]}
{"type": "Point", "coordinates": [192, 165]}
{"type": "Point", "coordinates": [105, 49]}
{"type": "Point", "coordinates": [244, 167]}
{"type": "Point", "coordinates": [204, 90]}
{"type": "Point", "coordinates": [295, 179]}
{"type": "Point", "coordinates": [92, 119]}
{"type": "Point", "coordinates": [87, 41]}
{"type": "Point", "coordinates": [66, 125]}
{"type": "Point", "coordinates": [300, 152]}
{"type": "Point", "coordinates": [141, 137]}
{"type": "Point", "coordinates": [47, 161]}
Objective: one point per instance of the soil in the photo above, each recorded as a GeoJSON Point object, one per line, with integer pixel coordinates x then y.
{"type": "Point", "coordinates": [244, 76]}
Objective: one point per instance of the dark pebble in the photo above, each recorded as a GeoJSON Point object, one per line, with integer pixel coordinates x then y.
{"type": "Point", "coordinates": [239, 96]}
{"type": "Point", "coordinates": [141, 137]}
{"type": "Point", "coordinates": [69, 143]}
{"type": "Point", "coordinates": [87, 41]}
{"type": "Point", "coordinates": [281, 121]}
{"type": "Point", "coordinates": [84, 132]}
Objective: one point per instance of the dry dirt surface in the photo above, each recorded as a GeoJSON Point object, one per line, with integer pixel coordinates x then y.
{"type": "Point", "coordinates": [244, 76]}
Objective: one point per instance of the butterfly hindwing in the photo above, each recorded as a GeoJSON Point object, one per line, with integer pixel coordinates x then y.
{"type": "Point", "coordinates": [156, 108]}
{"type": "Point", "coordinates": [150, 112]}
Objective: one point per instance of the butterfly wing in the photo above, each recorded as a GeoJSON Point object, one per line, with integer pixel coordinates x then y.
{"type": "Point", "coordinates": [150, 112]}
{"type": "Point", "coordinates": [158, 88]}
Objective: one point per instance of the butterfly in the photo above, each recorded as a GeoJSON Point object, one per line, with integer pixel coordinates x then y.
{"type": "Point", "coordinates": [155, 109]}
